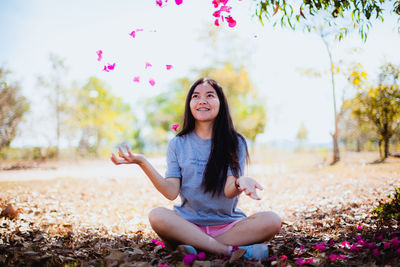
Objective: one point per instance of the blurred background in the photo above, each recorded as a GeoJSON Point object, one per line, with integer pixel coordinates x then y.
{"type": "Point", "coordinates": [288, 90]}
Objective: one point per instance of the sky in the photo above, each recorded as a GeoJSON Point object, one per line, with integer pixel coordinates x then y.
{"type": "Point", "coordinates": [75, 30]}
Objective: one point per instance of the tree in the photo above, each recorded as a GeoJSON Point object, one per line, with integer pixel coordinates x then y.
{"type": "Point", "coordinates": [13, 106]}
{"type": "Point", "coordinates": [380, 103]}
{"type": "Point", "coordinates": [340, 12]}
{"type": "Point", "coordinates": [57, 95]}
{"type": "Point", "coordinates": [302, 135]}
{"type": "Point", "coordinates": [247, 109]}
{"type": "Point", "coordinates": [101, 119]}
{"type": "Point", "coordinates": [356, 131]}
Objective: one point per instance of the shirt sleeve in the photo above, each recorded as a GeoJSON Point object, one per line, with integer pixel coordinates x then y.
{"type": "Point", "coordinates": [241, 156]}
{"type": "Point", "coordinates": [173, 169]}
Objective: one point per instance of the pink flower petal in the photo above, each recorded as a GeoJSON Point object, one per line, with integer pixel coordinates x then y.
{"type": "Point", "coordinates": [386, 245]}
{"type": "Point", "coordinates": [224, 2]}
{"type": "Point", "coordinates": [159, 3]}
{"type": "Point", "coordinates": [99, 54]}
{"type": "Point", "coordinates": [132, 34]}
{"type": "Point", "coordinates": [148, 65]}
{"type": "Point", "coordinates": [168, 67]}
{"type": "Point", "coordinates": [201, 255]}
{"type": "Point", "coordinates": [174, 127]}
{"type": "Point", "coordinates": [342, 257]}
{"type": "Point", "coordinates": [217, 14]}
{"type": "Point", "coordinates": [178, 2]}
{"type": "Point", "coordinates": [333, 257]}
{"type": "Point", "coordinates": [188, 259]}
{"type": "Point", "coordinates": [376, 252]}
{"type": "Point", "coordinates": [136, 79]}
{"type": "Point", "coordinates": [345, 244]}
{"type": "Point", "coordinates": [225, 9]}
{"type": "Point", "coordinates": [105, 69]}
{"type": "Point", "coordinates": [309, 261]}
{"type": "Point", "coordinates": [152, 82]}
{"type": "Point", "coordinates": [215, 3]}
{"type": "Point", "coordinates": [231, 21]}
{"type": "Point", "coordinates": [359, 227]}
{"type": "Point", "coordinates": [216, 23]}
{"type": "Point", "coordinates": [300, 261]}
{"type": "Point", "coordinates": [302, 247]}
{"type": "Point", "coordinates": [283, 258]}
{"type": "Point", "coordinates": [111, 67]}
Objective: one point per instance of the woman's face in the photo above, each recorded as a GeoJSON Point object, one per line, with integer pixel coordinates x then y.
{"type": "Point", "coordinates": [204, 103]}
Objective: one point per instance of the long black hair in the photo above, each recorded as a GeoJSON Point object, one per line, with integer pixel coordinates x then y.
{"type": "Point", "coordinates": [224, 144]}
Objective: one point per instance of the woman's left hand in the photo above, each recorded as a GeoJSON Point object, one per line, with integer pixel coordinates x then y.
{"type": "Point", "coordinates": [249, 186]}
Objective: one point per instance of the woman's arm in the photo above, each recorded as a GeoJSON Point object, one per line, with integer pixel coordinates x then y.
{"type": "Point", "coordinates": [231, 188]}
{"type": "Point", "coordinates": [168, 187]}
{"type": "Point", "coordinates": [234, 186]}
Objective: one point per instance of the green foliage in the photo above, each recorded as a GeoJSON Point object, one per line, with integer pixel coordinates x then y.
{"type": "Point", "coordinates": [101, 119]}
{"type": "Point", "coordinates": [391, 209]}
{"type": "Point", "coordinates": [13, 106]}
{"type": "Point", "coordinates": [359, 13]}
{"type": "Point", "coordinates": [380, 103]}
{"type": "Point", "coordinates": [28, 153]}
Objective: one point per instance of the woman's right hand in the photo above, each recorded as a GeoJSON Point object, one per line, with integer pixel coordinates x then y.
{"type": "Point", "coordinates": [127, 158]}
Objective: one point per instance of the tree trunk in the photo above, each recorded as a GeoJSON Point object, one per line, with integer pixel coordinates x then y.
{"type": "Point", "coordinates": [386, 146]}
{"type": "Point", "coordinates": [358, 149]}
{"type": "Point", "coordinates": [336, 154]}
{"type": "Point", "coordinates": [335, 136]}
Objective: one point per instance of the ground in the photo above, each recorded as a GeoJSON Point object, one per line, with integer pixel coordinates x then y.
{"type": "Point", "coordinates": [91, 212]}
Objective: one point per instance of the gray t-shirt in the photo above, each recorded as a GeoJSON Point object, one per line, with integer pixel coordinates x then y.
{"type": "Point", "coordinates": [187, 158]}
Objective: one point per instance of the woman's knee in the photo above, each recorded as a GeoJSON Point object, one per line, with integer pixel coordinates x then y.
{"type": "Point", "coordinates": [158, 217]}
{"type": "Point", "coordinates": [272, 221]}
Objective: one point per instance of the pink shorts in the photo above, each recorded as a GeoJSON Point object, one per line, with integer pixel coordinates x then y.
{"type": "Point", "coordinates": [216, 230]}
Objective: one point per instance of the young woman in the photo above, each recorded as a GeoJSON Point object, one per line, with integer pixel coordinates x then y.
{"type": "Point", "coordinates": [205, 166]}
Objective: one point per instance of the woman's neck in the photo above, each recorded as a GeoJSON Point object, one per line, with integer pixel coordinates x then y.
{"type": "Point", "coordinates": [203, 129]}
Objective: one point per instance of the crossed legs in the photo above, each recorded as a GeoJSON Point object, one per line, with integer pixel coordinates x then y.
{"type": "Point", "coordinates": [257, 228]}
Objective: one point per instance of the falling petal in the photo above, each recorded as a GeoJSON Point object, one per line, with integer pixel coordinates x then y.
{"type": "Point", "coordinates": [224, 2]}
{"type": "Point", "coordinates": [111, 67]}
{"type": "Point", "coordinates": [231, 21]}
{"type": "Point", "coordinates": [132, 34]}
{"type": "Point", "coordinates": [226, 9]}
{"type": "Point", "coordinates": [152, 82]}
{"type": "Point", "coordinates": [217, 14]}
{"type": "Point", "coordinates": [148, 65]}
{"type": "Point", "coordinates": [215, 3]}
{"type": "Point", "coordinates": [99, 54]}
{"type": "Point", "coordinates": [178, 2]}
{"type": "Point", "coordinates": [136, 79]}
{"type": "Point", "coordinates": [105, 69]}
{"type": "Point", "coordinates": [159, 3]}
{"type": "Point", "coordinates": [168, 67]}
{"type": "Point", "coordinates": [216, 23]}
{"type": "Point", "coordinates": [174, 127]}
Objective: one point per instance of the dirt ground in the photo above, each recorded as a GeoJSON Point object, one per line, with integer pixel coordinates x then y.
{"type": "Point", "coordinates": [88, 211]}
